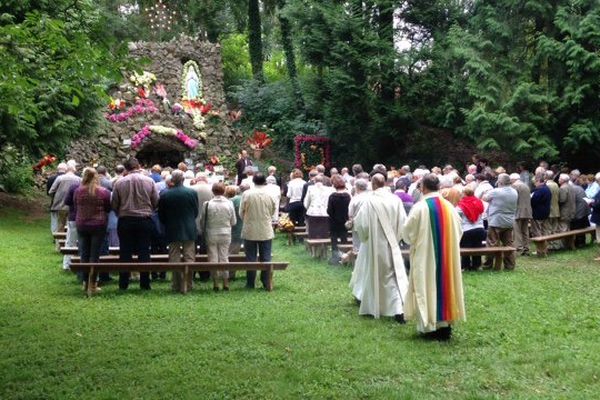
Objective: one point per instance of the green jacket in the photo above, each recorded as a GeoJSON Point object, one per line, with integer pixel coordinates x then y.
{"type": "Point", "coordinates": [177, 210]}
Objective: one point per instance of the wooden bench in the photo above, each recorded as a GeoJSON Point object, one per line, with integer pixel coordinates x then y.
{"type": "Point", "coordinates": [184, 267]}
{"type": "Point", "coordinates": [541, 242]}
{"type": "Point", "coordinates": [74, 251]}
{"type": "Point", "coordinates": [319, 249]}
{"type": "Point", "coordinates": [159, 258]}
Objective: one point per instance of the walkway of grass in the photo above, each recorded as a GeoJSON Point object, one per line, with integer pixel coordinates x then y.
{"type": "Point", "coordinates": [532, 333]}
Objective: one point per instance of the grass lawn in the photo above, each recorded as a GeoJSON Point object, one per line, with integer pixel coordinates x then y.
{"type": "Point", "coordinates": [532, 333]}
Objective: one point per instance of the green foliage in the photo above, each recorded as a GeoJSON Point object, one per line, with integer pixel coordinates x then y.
{"type": "Point", "coordinates": [16, 173]}
{"type": "Point", "coordinates": [236, 59]}
{"type": "Point", "coordinates": [273, 106]}
{"type": "Point", "coordinates": [53, 77]}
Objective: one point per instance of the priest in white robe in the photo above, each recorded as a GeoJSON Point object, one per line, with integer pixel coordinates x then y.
{"type": "Point", "coordinates": [380, 283]}
{"type": "Point", "coordinates": [435, 292]}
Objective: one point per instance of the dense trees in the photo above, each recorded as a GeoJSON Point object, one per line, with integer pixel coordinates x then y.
{"type": "Point", "coordinates": [377, 76]}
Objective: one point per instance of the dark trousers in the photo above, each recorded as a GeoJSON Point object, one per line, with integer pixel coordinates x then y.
{"type": "Point", "coordinates": [580, 224]}
{"type": "Point", "coordinates": [296, 213]}
{"type": "Point", "coordinates": [263, 249]}
{"type": "Point", "coordinates": [135, 237]}
{"type": "Point", "coordinates": [202, 249]}
{"type": "Point", "coordinates": [336, 234]}
{"type": "Point", "coordinates": [472, 238]}
{"type": "Point", "coordinates": [90, 243]}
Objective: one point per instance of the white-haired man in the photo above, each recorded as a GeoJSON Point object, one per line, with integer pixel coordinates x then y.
{"type": "Point", "coordinates": [567, 203]}
{"type": "Point", "coordinates": [523, 215]}
{"type": "Point", "coordinates": [501, 217]}
{"type": "Point", "coordinates": [59, 191]}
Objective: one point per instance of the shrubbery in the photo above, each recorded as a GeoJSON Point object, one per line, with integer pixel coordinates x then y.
{"type": "Point", "coordinates": [16, 174]}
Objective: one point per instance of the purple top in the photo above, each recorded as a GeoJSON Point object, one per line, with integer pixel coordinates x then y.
{"type": "Point", "coordinates": [92, 211]}
{"type": "Point", "coordinates": [405, 197]}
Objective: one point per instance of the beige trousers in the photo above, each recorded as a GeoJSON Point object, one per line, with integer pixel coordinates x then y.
{"type": "Point", "coordinates": [218, 251]}
{"type": "Point", "coordinates": [497, 237]}
{"type": "Point", "coordinates": [521, 234]}
{"type": "Point", "coordinates": [177, 251]}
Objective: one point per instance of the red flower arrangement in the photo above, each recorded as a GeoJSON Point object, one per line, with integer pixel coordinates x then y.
{"type": "Point", "coordinates": [260, 140]}
{"type": "Point", "coordinates": [44, 162]}
{"type": "Point", "coordinates": [191, 106]}
{"type": "Point", "coordinates": [317, 145]}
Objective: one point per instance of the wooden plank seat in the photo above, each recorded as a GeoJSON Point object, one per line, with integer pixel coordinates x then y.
{"type": "Point", "coordinates": [319, 249]}
{"type": "Point", "coordinates": [59, 235]}
{"type": "Point", "coordinates": [541, 242]}
{"type": "Point", "coordinates": [74, 251]}
{"type": "Point", "coordinates": [159, 258]}
{"type": "Point", "coordinates": [185, 267]}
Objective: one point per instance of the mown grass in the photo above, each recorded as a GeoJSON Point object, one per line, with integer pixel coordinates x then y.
{"type": "Point", "coordinates": [532, 333]}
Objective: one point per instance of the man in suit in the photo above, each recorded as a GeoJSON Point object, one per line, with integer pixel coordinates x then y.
{"type": "Point", "coordinates": [241, 165]}
{"type": "Point", "coordinates": [177, 210]}
{"type": "Point", "coordinates": [523, 215]}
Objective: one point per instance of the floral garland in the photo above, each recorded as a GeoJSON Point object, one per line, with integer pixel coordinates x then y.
{"type": "Point", "coordinates": [145, 79]}
{"type": "Point", "coordinates": [305, 156]}
{"type": "Point", "coordinates": [147, 130]}
{"type": "Point", "coordinates": [142, 106]}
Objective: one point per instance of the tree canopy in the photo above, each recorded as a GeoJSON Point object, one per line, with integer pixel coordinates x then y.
{"type": "Point", "coordinates": [378, 77]}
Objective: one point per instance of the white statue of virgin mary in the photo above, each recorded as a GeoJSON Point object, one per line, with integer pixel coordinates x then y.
{"type": "Point", "coordinates": [191, 84]}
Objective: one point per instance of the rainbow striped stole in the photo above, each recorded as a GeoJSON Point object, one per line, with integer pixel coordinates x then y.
{"type": "Point", "coordinates": [440, 219]}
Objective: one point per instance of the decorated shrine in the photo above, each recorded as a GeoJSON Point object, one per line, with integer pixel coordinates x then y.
{"type": "Point", "coordinates": [171, 109]}
{"type": "Point", "coordinates": [311, 151]}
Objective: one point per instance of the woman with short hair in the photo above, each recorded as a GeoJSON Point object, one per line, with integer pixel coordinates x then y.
{"type": "Point", "coordinates": [218, 218]}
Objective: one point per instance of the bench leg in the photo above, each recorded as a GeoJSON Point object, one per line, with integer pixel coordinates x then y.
{"type": "Point", "coordinates": [186, 273]}
{"type": "Point", "coordinates": [270, 284]}
{"type": "Point", "coordinates": [570, 242]}
{"type": "Point", "coordinates": [542, 249]}
{"type": "Point", "coordinates": [498, 258]}
{"type": "Point", "coordinates": [89, 282]}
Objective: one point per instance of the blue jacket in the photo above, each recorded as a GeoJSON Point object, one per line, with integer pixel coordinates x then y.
{"type": "Point", "coordinates": [595, 218]}
{"type": "Point", "coordinates": [540, 203]}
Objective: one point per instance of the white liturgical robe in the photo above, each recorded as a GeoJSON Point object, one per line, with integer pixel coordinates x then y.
{"type": "Point", "coordinates": [379, 279]}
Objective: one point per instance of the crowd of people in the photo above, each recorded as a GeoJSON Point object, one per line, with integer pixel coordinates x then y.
{"type": "Point", "coordinates": [433, 212]}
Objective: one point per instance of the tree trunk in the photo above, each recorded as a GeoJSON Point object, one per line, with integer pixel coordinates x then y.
{"type": "Point", "coordinates": [255, 40]}
{"type": "Point", "coordinates": [290, 57]}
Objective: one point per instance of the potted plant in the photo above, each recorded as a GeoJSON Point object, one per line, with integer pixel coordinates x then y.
{"type": "Point", "coordinates": [258, 142]}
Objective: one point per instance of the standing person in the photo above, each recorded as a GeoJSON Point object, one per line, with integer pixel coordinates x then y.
{"type": "Point", "coordinates": [360, 193]}
{"type": "Point", "coordinates": [60, 170]}
{"type": "Point", "coordinates": [92, 204]}
{"type": "Point", "coordinates": [204, 192]}
{"type": "Point", "coordinates": [595, 218]}
{"type": "Point", "coordinates": [256, 209]}
{"type": "Point", "coordinates": [551, 225]}
{"type": "Point", "coordinates": [275, 191]}
{"type": "Point", "coordinates": [524, 175]}
{"type": "Point", "coordinates": [382, 290]}
{"type": "Point", "coordinates": [337, 209]}
{"type": "Point", "coordinates": [295, 208]}
{"type": "Point", "coordinates": [71, 240]}
{"type": "Point", "coordinates": [177, 211]}
{"type": "Point", "coordinates": [240, 166]}
{"type": "Point", "coordinates": [541, 199]}
{"type": "Point", "coordinates": [134, 199]}
{"type": "Point", "coordinates": [582, 211]}
{"type": "Point", "coordinates": [523, 214]}
{"type": "Point", "coordinates": [567, 202]}
{"type": "Point", "coordinates": [315, 202]}
{"type": "Point", "coordinates": [470, 209]}
{"type": "Point", "coordinates": [234, 194]}
{"type": "Point", "coordinates": [218, 218]}
{"type": "Point", "coordinates": [501, 218]}
{"type": "Point", "coordinates": [59, 191]}
{"type": "Point", "coordinates": [435, 290]}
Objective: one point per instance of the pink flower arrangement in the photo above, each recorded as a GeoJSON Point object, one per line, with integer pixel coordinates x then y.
{"type": "Point", "coordinates": [142, 106]}
{"type": "Point", "coordinates": [147, 130]}
{"type": "Point", "coordinates": [160, 90]}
